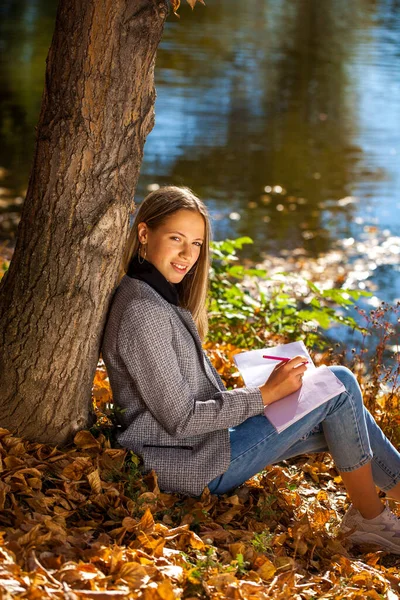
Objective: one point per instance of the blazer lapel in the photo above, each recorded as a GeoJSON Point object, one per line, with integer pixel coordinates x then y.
{"type": "Point", "coordinates": [186, 317]}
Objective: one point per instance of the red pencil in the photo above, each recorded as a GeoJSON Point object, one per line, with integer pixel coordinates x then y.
{"type": "Point", "coordinates": [281, 358]}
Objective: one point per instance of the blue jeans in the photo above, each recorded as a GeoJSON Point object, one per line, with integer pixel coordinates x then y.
{"type": "Point", "coordinates": [341, 426]}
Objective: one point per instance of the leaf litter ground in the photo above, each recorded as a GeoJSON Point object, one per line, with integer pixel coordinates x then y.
{"type": "Point", "coordinates": [82, 522]}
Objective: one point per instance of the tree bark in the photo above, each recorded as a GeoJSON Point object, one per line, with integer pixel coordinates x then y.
{"type": "Point", "coordinates": [97, 109]}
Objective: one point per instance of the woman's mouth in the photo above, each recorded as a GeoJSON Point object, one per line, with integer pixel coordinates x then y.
{"type": "Point", "coordinates": [179, 268]}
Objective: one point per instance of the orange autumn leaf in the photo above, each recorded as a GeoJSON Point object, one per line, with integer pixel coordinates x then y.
{"type": "Point", "coordinates": [74, 535]}
{"type": "Point", "coordinates": [267, 570]}
{"type": "Point", "coordinates": [77, 468]}
{"type": "Point", "coordinates": [228, 515]}
{"type": "Point", "coordinates": [95, 481]}
{"type": "Point", "coordinates": [133, 573]}
{"type": "Point", "coordinates": [153, 545]}
{"type": "Point", "coordinates": [165, 590]}
{"type": "Point", "coordinates": [146, 523]}
{"type": "Point", "coordinates": [85, 440]}
{"type": "Point", "coordinates": [176, 4]}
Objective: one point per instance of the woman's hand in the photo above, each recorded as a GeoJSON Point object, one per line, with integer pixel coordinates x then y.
{"type": "Point", "coordinates": [286, 378]}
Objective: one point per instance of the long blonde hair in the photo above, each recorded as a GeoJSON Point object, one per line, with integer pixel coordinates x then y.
{"type": "Point", "coordinates": [153, 211]}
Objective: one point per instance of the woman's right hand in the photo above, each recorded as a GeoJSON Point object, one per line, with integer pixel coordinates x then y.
{"type": "Point", "coordinates": [286, 378]}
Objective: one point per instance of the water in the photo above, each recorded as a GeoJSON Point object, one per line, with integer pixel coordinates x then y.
{"type": "Point", "coordinates": [283, 115]}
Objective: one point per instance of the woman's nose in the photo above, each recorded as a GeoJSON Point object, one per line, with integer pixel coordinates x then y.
{"type": "Point", "coordinates": [186, 251]}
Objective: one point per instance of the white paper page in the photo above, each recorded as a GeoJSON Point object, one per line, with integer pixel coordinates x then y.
{"type": "Point", "coordinates": [255, 369]}
{"type": "Point", "coordinates": [319, 385]}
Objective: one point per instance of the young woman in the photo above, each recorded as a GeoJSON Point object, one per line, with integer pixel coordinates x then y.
{"type": "Point", "coordinates": [177, 413]}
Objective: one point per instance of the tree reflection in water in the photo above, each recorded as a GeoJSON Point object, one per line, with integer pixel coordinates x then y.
{"type": "Point", "coordinates": [293, 93]}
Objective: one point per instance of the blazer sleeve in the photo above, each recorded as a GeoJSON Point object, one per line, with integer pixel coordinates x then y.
{"type": "Point", "coordinates": [145, 345]}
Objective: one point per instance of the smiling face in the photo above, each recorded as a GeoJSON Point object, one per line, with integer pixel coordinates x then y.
{"type": "Point", "coordinates": [174, 247]}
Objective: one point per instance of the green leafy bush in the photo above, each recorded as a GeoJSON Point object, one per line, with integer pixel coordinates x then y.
{"type": "Point", "coordinates": [247, 306]}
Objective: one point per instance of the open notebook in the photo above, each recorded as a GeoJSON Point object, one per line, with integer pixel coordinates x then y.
{"type": "Point", "coordinates": [319, 383]}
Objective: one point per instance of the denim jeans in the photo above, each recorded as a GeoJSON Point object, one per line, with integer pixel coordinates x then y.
{"type": "Point", "coordinates": [341, 426]}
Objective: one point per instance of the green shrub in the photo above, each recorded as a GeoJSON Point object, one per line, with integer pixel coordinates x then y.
{"type": "Point", "coordinates": [245, 312]}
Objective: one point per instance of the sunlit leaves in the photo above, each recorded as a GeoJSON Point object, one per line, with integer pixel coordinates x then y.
{"type": "Point", "coordinates": [176, 4]}
{"type": "Point", "coordinates": [250, 308]}
{"type": "Point", "coordinates": [84, 522]}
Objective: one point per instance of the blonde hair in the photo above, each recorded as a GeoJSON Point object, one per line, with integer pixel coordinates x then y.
{"type": "Point", "coordinates": [153, 211]}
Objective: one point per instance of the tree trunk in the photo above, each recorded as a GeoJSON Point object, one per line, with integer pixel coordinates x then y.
{"type": "Point", "coordinates": [97, 109]}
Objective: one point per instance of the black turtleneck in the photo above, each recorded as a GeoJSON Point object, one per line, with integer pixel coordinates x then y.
{"type": "Point", "coordinates": [147, 272]}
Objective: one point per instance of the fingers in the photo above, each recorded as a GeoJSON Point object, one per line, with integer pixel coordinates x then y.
{"type": "Point", "coordinates": [297, 360]}
{"type": "Point", "coordinates": [284, 379]}
{"type": "Point", "coordinates": [296, 367]}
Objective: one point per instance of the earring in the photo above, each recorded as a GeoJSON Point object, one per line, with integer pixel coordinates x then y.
{"type": "Point", "coordinates": [144, 256]}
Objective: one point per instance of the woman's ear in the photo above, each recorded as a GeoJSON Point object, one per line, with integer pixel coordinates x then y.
{"type": "Point", "coordinates": [142, 233]}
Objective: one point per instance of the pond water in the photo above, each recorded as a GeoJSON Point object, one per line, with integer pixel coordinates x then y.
{"type": "Point", "coordinates": [283, 115]}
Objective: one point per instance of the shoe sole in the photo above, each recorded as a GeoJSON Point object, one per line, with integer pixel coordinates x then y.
{"type": "Point", "coordinates": [372, 538]}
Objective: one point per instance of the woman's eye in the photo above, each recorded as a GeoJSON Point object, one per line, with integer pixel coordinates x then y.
{"type": "Point", "coordinates": [199, 244]}
{"type": "Point", "coordinates": [176, 239]}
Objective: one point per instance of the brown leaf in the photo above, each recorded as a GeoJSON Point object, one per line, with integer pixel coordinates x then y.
{"type": "Point", "coordinates": [221, 581]}
{"type": "Point", "coordinates": [165, 590]}
{"type": "Point", "coordinates": [29, 537]}
{"type": "Point", "coordinates": [320, 516]}
{"type": "Point", "coordinates": [148, 500]}
{"type": "Point", "coordinates": [85, 440]}
{"type": "Point", "coordinates": [322, 496]}
{"type": "Point", "coordinates": [267, 570]}
{"type": "Point", "coordinates": [146, 523]}
{"type": "Point", "coordinates": [191, 539]}
{"type": "Point", "coordinates": [95, 481]}
{"type": "Point", "coordinates": [230, 514]}
{"type": "Point", "coordinates": [112, 459]}
{"type": "Point", "coordinates": [134, 574]}
{"type": "Point", "coordinates": [285, 563]}
{"type": "Point", "coordinates": [300, 547]}
{"type": "Point", "coordinates": [234, 500]}
{"type": "Point", "coordinates": [17, 449]}
{"type": "Point", "coordinates": [35, 483]}
{"type": "Point", "coordinates": [176, 4]}
{"type": "Point", "coordinates": [237, 548]}
{"type": "Point", "coordinates": [76, 469]}
{"type": "Point", "coordinates": [71, 573]}
{"type": "Point", "coordinates": [12, 462]}
{"type": "Point", "coordinates": [129, 524]}
{"type": "Point", "coordinates": [4, 489]}
{"type": "Point", "coordinates": [292, 498]}
{"type": "Point", "coordinates": [96, 595]}
{"type": "Point", "coordinates": [168, 500]}
{"type": "Point", "coordinates": [174, 572]}
{"type": "Point", "coordinates": [154, 546]}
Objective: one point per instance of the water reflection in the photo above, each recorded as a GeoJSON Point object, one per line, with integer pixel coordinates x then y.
{"type": "Point", "coordinates": [293, 93]}
{"type": "Point", "coordinates": [283, 113]}
{"type": "Point", "coordinates": [26, 27]}
{"type": "Point", "coordinates": [279, 110]}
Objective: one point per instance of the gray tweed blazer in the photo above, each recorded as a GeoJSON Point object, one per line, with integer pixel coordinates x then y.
{"type": "Point", "coordinates": [177, 410]}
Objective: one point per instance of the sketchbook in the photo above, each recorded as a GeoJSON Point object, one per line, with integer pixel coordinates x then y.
{"type": "Point", "coordinates": [319, 383]}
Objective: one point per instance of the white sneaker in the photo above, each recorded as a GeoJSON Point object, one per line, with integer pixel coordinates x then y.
{"type": "Point", "coordinates": [383, 530]}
